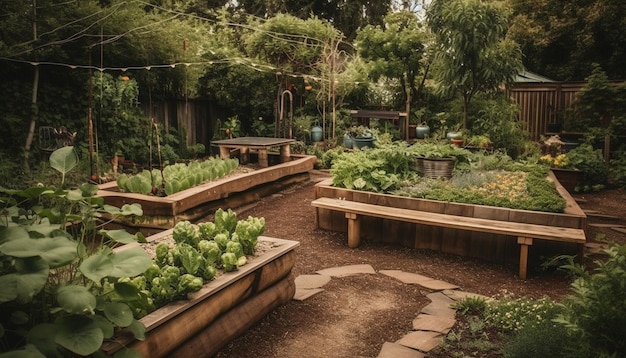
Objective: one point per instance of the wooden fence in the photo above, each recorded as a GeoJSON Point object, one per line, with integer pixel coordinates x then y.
{"type": "Point", "coordinates": [544, 103]}
{"type": "Point", "coordinates": [540, 104]}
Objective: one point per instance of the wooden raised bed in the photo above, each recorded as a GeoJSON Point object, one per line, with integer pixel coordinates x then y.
{"type": "Point", "coordinates": [485, 246]}
{"type": "Point", "coordinates": [222, 310]}
{"type": "Point", "coordinates": [161, 213]}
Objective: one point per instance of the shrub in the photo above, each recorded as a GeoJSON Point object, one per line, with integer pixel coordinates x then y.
{"type": "Point", "coordinates": [542, 340]}
{"type": "Point", "coordinates": [595, 313]}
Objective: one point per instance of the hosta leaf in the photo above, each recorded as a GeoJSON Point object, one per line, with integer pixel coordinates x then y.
{"type": "Point", "coordinates": [76, 299]}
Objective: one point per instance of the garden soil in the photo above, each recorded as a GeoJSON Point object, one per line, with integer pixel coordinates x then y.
{"type": "Point", "coordinates": [353, 316]}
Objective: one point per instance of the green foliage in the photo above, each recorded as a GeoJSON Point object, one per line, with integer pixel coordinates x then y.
{"type": "Point", "coordinates": [52, 298]}
{"type": "Point", "coordinates": [470, 305]}
{"type": "Point", "coordinates": [595, 104]}
{"type": "Point", "coordinates": [595, 313]}
{"type": "Point", "coordinates": [472, 53]}
{"type": "Point", "coordinates": [513, 314]}
{"type": "Point", "coordinates": [538, 341]}
{"type": "Point", "coordinates": [617, 169]}
{"type": "Point", "coordinates": [378, 170]}
{"type": "Point", "coordinates": [591, 162]}
{"type": "Point", "coordinates": [176, 177]}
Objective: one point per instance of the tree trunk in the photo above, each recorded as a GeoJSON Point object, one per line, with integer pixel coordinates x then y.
{"type": "Point", "coordinates": [34, 114]}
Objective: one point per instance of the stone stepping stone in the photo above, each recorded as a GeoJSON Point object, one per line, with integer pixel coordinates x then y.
{"type": "Point", "coordinates": [350, 270]}
{"type": "Point", "coordinates": [424, 281]}
{"type": "Point", "coordinates": [304, 293]}
{"type": "Point", "coordinates": [311, 281]}
{"type": "Point", "coordinates": [421, 340]}
{"type": "Point", "coordinates": [440, 306]}
{"type": "Point", "coordinates": [460, 295]}
{"type": "Point", "coordinates": [394, 350]}
{"type": "Point", "coordinates": [426, 322]}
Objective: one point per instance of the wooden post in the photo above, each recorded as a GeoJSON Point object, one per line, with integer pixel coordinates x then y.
{"type": "Point", "coordinates": [354, 230]}
{"type": "Point", "coordinates": [263, 162]}
{"type": "Point", "coordinates": [285, 153]}
{"type": "Point", "coordinates": [523, 255]}
{"type": "Point", "coordinates": [224, 152]}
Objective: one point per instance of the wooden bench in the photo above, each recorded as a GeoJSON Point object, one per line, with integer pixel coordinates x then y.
{"type": "Point", "coordinates": [525, 233]}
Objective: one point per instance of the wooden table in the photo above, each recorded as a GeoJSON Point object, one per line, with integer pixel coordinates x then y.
{"type": "Point", "coordinates": [260, 144]}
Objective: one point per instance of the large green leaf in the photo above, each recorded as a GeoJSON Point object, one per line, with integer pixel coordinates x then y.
{"type": "Point", "coordinates": [118, 313]}
{"type": "Point", "coordinates": [56, 251]}
{"type": "Point", "coordinates": [64, 159]}
{"type": "Point", "coordinates": [33, 275]}
{"type": "Point", "coordinates": [97, 266]}
{"type": "Point", "coordinates": [12, 233]}
{"type": "Point", "coordinates": [108, 329]}
{"type": "Point", "coordinates": [29, 351]}
{"type": "Point", "coordinates": [138, 329]}
{"type": "Point", "coordinates": [8, 287]}
{"type": "Point", "coordinates": [76, 299]}
{"type": "Point", "coordinates": [130, 262]}
{"type": "Point", "coordinates": [42, 337]}
{"type": "Point", "coordinates": [80, 334]}
{"type": "Point", "coordinates": [121, 236]}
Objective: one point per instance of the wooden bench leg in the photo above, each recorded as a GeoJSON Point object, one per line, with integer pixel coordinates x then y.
{"type": "Point", "coordinates": [354, 230]}
{"type": "Point", "coordinates": [524, 242]}
{"type": "Point", "coordinates": [263, 160]}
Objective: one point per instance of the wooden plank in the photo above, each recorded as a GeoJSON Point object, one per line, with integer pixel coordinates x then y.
{"type": "Point", "coordinates": [455, 222]}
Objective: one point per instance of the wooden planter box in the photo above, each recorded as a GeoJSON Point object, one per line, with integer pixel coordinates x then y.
{"type": "Point", "coordinates": [161, 213]}
{"type": "Point", "coordinates": [489, 247]}
{"type": "Point", "coordinates": [222, 310]}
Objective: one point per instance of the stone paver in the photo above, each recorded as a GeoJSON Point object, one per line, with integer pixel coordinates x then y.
{"type": "Point", "coordinates": [350, 270]}
{"type": "Point", "coordinates": [406, 277]}
{"type": "Point", "coordinates": [394, 350]}
{"type": "Point", "coordinates": [439, 305]}
{"type": "Point", "coordinates": [426, 322]}
{"type": "Point", "coordinates": [312, 281]}
{"type": "Point", "coordinates": [434, 321]}
{"type": "Point", "coordinates": [421, 340]}
{"type": "Point", "coordinates": [304, 293]}
{"type": "Point", "coordinates": [424, 281]}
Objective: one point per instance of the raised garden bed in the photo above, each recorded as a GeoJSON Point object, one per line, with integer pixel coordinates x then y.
{"type": "Point", "coordinates": [161, 213]}
{"type": "Point", "coordinates": [222, 310]}
{"type": "Point", "coordinates": [490, 247]}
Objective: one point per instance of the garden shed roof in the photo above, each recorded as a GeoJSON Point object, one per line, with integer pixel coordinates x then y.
{"type": "Point", "coordinates": [530, 77]}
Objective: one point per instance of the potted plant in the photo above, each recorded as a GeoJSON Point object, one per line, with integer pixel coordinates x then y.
{"type": "Point", "coordinates": [436, 159]}
{"type": "Point", "coordinates": [479, 141]}
{"type": "Point", "coordinates": [361, 136]}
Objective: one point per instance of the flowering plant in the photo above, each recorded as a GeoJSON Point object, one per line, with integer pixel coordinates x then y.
{"type": "Point", "coordinates": [557, 161]}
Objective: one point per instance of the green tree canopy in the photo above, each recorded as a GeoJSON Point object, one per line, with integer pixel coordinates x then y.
{"type": "Point", "coordinates": [472, 54]}
{"type": "Point", "coordinates": [395, 50]}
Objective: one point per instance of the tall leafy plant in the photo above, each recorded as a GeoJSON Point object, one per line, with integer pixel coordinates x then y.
{"type": "Point", "coordinates": [55, 258]}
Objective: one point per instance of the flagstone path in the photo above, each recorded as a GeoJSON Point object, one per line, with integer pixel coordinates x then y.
{"type": "Point", "coordinates": [429, 327]}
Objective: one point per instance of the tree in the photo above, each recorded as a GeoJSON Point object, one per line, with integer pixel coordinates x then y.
{"type": "Point", "coordinates": [472, 54]}
{"type": "Point", "coordinates": [562, 38]}
{"type": "Point", "coordinates": [396, 51]}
